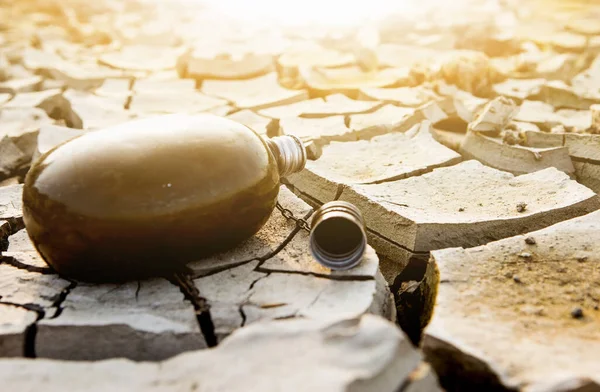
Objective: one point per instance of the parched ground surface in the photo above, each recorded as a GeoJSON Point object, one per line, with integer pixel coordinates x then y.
{"type": "Point", "coordinates": [468, 135]}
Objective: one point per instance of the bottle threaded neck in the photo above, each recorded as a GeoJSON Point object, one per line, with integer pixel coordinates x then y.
{"type": "Point", "coordinates": [338, 238]}
{"type": "Point", "coordinates": [289, 152]}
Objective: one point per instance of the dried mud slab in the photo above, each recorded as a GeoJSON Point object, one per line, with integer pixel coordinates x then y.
{"type": "Point", "coordinates": [51, 136]}
{"type": "Point", "coordinates": [21, 85]}
{"type": "Point", "coordinates": [519, 89]}
{"type": "Point", "coordinates": [11, 204]}
{"type": "Point", "coordinates": [142, 58]}
{"type": "Point", "coordinates": [514, 159]}
{"type": "Point", "coordinates": [320, 130]}
{"type": "Point", "coordinates": [295, 109]}
{"type": "Point", "coordinates": [560, 94]}
{"type": "Point", "coordinates": [520, 313]}
{"type": "Point", "coordinates": [401, 96]}
{"type": "Point", "coordinates": [227, 60]}
{"type": "Point", "coordinates": [362, 354]}
{"type": "Point", "coordinates": [331, 105]}
{"type": "Point", "coordinates": [273, 275]}
{"type": "Point", "coordinates": [468, 204]}
{"type": "Point", "coordinates": [249, 294]}
{"type": "Point", "coordinates": [308, 55]}
{"type": "Point", "coordinates": [387, 119]}
{"type": "Point", "coordinates": [21, 253]}
{"type": "Point", "coordinates": [257, 93]}
{"type": "Point", "coordinates": [262, 245]}
{"type": "Point", "coordinates": [145, 320]}
{"type": "Point", "coordinates": [4, 98]}
{"type": "Point", "coordinates": [74, 75]}
{"type": "Point", "coordinates": [584, 150]}
{"type": "Point", "coordinates": [154, 86]}
{"type": "Point", "coordinates": [15, 322]}
{"type": "Point", "coordinates": [153, 103]}
{"type": "Point", "coordinates": [95, 112]}
{"type": "Point", "coordinates": [259, 124]}
{"type": "Point", "coordinates": [350, 80]}
{"type": "Point", "coordinates": [383, 158]}
{"type": "Point", "coordinates": [115, 88]}
{"type": "Point", "coordinates": [22, 287]}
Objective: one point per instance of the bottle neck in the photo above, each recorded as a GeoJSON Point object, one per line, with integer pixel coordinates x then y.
{"type": "Point", "coordinates": [289, 153]}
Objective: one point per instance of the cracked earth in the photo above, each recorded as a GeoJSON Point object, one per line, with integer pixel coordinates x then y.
{"type": "Point", "coordinates": [468, 136]}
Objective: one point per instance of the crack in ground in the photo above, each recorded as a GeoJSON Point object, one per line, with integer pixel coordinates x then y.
{"type": "Point", "coordinates": [260, 259]}
{"type": "Point", "coordinates": [201, 307]}
{"type": "Point", "coordinates": [219, 269]}
{"type": "Point", "coordinates": [31, 330]}
{"type": "Point", "coordinates": [343, 278]}
{"type": "Point", "coordinates": [137, 290]}
{"type": "Point", "coordinates": [22, 266]}
{"type": "Point", "coordinates": [243, 315]}
{"type": "Point", "coordinates": [61, 298]}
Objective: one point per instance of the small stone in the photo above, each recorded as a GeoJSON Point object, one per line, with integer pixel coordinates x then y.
{"type": "Point", "coordinates": [525, 255]}
{"type": "Point", "coordinates": [461, 209]}
{"type": "Point", "coordinates": [516, 279]}
{"type": "Point", "coordinates": [521, 207]}
{"type": "Point", "coordinates": [313, 150]}
{"type": "Point", "coordinates": [471, 71]}
{"type": "Point", "coordinates": [577, 313]}
{"type": "Point", "coordinates": [530, 241]}
{"type": "Point", "coordinates": [494, 116]}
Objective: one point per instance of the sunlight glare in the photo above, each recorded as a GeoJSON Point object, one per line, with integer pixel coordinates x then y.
{"type": "Point", "coordinates": [327, 12]}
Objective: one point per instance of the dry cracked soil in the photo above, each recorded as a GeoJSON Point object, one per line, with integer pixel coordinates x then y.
{"type": "Point", "coordinates": [468, 136]}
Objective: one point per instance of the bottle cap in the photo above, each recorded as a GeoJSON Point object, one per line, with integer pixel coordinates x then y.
{"type": "Point", "coordinates": [338, 237]}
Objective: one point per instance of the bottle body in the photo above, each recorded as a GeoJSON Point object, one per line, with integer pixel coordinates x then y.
{"type": "Point", "coordinates": [145, 197]}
